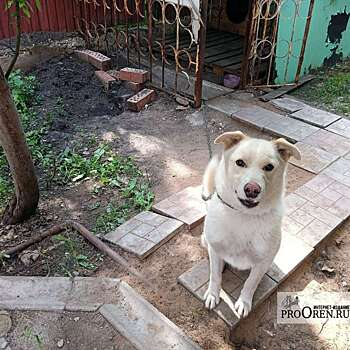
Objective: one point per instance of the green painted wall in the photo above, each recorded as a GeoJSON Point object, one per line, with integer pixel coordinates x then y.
{"type": "Point", "coordinates": [318, 47]}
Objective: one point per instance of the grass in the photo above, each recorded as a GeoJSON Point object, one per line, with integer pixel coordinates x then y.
{"type": "Point", "coordinates": [72, 165]}
{"type": "Point", "coordinates": [330, 89]}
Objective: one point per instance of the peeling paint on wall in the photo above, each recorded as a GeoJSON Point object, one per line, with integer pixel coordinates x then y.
{"type": "Point", "coordinates": [337, 26]}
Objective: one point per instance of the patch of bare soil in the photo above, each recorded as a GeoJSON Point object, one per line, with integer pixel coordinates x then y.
{"type": "Point", "coordinates": [64, 330]}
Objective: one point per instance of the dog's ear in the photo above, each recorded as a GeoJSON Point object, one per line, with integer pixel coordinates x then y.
{"type": "Point", "coordinates": [286, 149]}
{"type": "Point", "coordinates": [229, 139]}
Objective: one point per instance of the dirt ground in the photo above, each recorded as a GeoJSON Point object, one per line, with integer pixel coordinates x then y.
{"type": "Point", "coordinates": [171, 147]}
{"type": "Point", "coordinates": [85, 330]}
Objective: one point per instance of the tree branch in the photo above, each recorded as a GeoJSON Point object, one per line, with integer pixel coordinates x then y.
{"type": "Point", "coordinates": [18, 40]}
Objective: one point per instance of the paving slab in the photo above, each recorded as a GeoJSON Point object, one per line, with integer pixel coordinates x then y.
{"type": "Point", "coordinates": [34, 293]}
{"type": "Point", "coordinates": [224, 104]}
{"type": "Point", "coordinates": [142, 324]}
{"type": "Point", "coordinates": [329, 142]}
{"type": "Point", "coordinates": [294, 202]}
{"type": "Point", "coordinates": [313, 159]}
{"type": "Point", "coordinates": [293, 251]}
{"type": "Point", "coordinates": [232, 283]}
{"type": "Point", "coordinates": [341, 127]}
{"type": "Point", "coordinates": [3, 343]}
{"type": "Point", "coordinates": [319, 182]}
{"type": "Point", "coordinates": [186, 206]}
{"type": "Point", "coordinates": [316, 198]}
{"type": "Point", "coordinates": [292, 129]}
{"type": "Point", "coordinates": [315, 116]}
{"type": "Point", "coordinates": [256, 116]}
{"type": "Point", "coordinates": [339, 171]}
{"type": "Point", "coordinates": [289, 104]}
{"type": "Point", "coordinates": [144, 233]}
{"type": "Point", "coordinates": [314, 233]}
{"type": "Point", "coordinates": [341, 208]}
{"type": "Point", "coordinates": [89, 293]}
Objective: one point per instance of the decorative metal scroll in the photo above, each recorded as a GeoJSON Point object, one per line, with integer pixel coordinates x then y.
{"type": "Point", "coordinates": [162, 35]}
{"type": "Point", "coordinates": [276, 41]}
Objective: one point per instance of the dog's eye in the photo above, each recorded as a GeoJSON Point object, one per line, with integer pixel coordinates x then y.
{"type": "Point", "coordinates": [240, 163]}
{"type": "Point", "coordinates": [268, 167]}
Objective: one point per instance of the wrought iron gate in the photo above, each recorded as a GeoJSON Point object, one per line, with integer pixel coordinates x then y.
{"type": "Point", "coordinates": [275, 42]}
{"type": "Point", "coordinates": [165, 36]}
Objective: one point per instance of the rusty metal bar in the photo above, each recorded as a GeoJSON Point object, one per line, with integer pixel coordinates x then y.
{"type": "Point", "coordinates": [247, 45]}
{"type": "Point", "coordinates": [200, 55]}
{"type": "Point", "coordinates": [305, 37]}
{"type": "Point", "coordinates": [149, 38]}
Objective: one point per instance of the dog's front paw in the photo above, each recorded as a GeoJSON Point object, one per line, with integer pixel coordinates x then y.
{"type": "Point", "coordinates": [243, 307]}
{"type": "Point", "coordinates": [211, 299]}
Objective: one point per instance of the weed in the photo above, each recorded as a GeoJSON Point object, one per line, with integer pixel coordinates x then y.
{"type": "Point", "coordinates": [330, 89]}
{"type": "Point", "coordinates": [73, 259]}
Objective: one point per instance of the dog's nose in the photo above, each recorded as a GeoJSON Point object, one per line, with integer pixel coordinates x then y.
{"type": "Point", "coordinates": [252, 189]}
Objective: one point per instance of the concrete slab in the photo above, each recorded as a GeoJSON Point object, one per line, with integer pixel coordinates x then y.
{"type": "Point", "coordinates": [294, 202]}
{"type": "Point", "coordinates": [288, 104]}
{"type": "Point", "coordinates": [314, 233]}
{"type": "Point", "coordinates": [316, 198]}
{"type": "Point", "coordinates": [256, 116]}
{"type": "Point", "coordinates": [3, 343]}
{"type": "Point", "coordinates": [292, 129]}
{"type": "Point", "coordinates": [186, 206]}
{"type": "Point", "coordinates": [339, 171]}
{"type": "Point", "coordinates": [142, 324]}
{"type": "Point", "coordinates": [341, 127]}
{"type": "Point", "coordinates": [315, 116]}
{"type": "Point", "coordinates": [89, 293]}
{"type": "Point", "coordinates": [144, 233]}
{"type": "Point", "coordinates": [329, 142]}
{"type": "Point", "coordinates": [224, 104]}
{"type": "Point", "coordinates": [34, 293]}
{"type": "Point", "coordinates": [293, 251]}
{"type": "Point", "coordinates": [313, 159]}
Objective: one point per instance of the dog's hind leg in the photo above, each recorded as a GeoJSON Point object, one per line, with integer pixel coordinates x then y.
{"type": "Point", "coordinates": [209, 178]}
{"type": "Point", "coordinates": [212, 295]}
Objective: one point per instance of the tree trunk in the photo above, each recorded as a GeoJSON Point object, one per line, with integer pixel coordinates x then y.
{"type": "Point", "coordinates": [18, 156]}
{"type": "Point", "coordinates": [18, 40]}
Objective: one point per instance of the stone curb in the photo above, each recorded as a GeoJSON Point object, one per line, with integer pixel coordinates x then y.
{"type": "Point", "coordinates": [130, 314]}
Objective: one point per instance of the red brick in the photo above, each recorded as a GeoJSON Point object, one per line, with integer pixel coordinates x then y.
{"type": "Point", "coordinates": [114, 73]}
{"type": "Point", "coordinates": [136, 87]}
{"type": "Point", "coordinates": [133, 74]}
{"type": "Point", "coordinates": [138, 101]}
{"type": "Point", "coordinates": [104, 78]}
{"type": "Point", "coordinates": [98, 60]}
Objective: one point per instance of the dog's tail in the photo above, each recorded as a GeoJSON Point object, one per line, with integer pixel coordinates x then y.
{"type": "Point", "coordinates": [209, 178]}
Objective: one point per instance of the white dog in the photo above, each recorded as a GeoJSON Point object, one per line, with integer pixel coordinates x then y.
{"type": "Point", "coordinates": [243, 224]}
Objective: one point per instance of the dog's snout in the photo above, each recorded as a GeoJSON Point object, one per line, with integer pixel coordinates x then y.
{"type": "Point", "coordinates": [252, 189]}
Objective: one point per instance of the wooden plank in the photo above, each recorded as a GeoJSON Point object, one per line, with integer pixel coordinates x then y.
{"type": "Point", "coordinates": [224, 56]}
{"type": "Point", "coordinates": [285, 89]}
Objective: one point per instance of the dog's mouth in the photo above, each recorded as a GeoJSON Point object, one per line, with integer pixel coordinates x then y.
{"type": "Point", "coordinates": [248, 203]}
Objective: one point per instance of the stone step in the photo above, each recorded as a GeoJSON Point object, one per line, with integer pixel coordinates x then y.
{"type": "Point", "coordinates": [144, 233]}
{"type": "Point", "coordinates": [315, 116]}
{"type": "Point", "coordinates": [313, 159]}
{"type": "Point", "coordinates": [340, 127]}
{"type": "Point", "coordinates": [186, 206]}
{"type": "Point", "coordinates": [143, 325]}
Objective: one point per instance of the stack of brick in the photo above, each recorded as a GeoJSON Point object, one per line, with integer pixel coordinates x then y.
{"type": "Point", "coordinates": [135, 80]}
